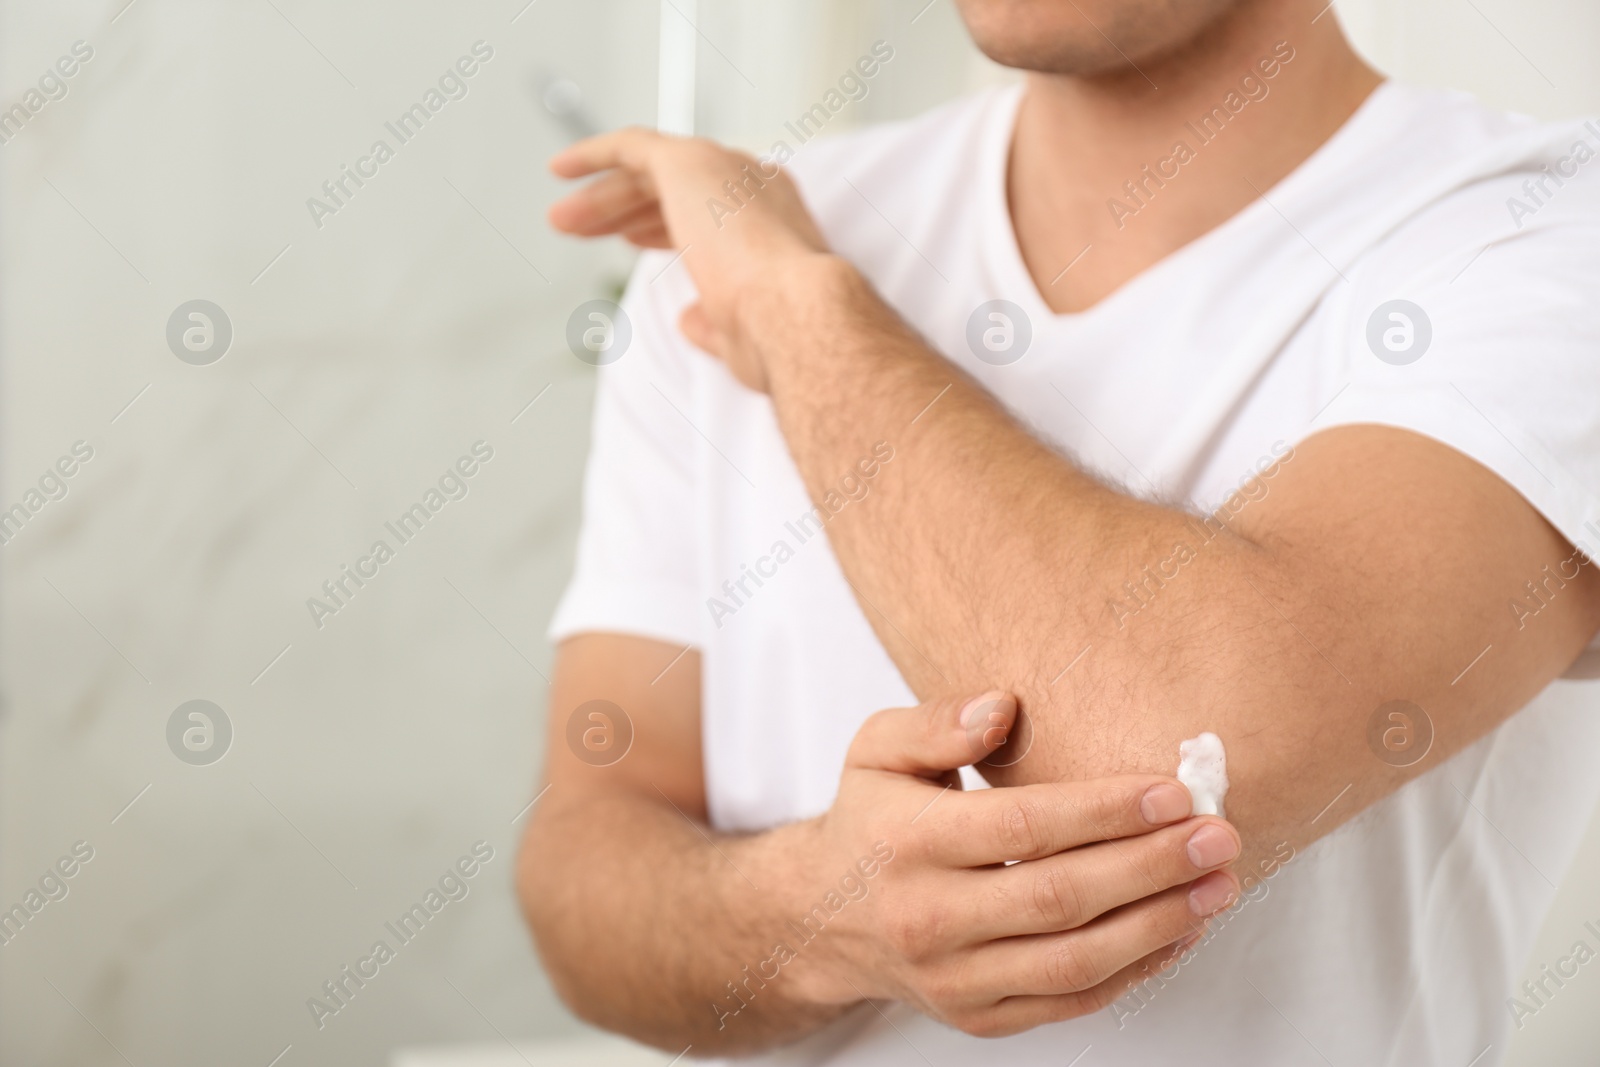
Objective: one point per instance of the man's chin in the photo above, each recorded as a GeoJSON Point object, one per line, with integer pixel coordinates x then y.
{"type": "Point", "coordinates": [1049, 57]}
{"type": "Point", "coordinates": [1087, 38]}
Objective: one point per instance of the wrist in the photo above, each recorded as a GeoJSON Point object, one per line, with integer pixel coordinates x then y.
{"type": "Point", "coordinates": [811, 953]}
{"type": "Point", "coordinates": [787, 313]}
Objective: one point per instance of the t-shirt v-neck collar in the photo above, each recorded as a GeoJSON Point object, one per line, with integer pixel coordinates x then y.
{"type": "Point", "coordinates": [1003, 255]}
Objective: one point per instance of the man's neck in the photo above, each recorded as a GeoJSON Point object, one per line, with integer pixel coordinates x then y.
{"type": "Point", "coordinates": [1096, 163]}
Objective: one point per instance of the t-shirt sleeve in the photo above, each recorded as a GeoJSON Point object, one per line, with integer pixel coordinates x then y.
{"type": "Point", "coordinates": [636, 567]}
{"type": "Point", "coordinates": [1494, 351]}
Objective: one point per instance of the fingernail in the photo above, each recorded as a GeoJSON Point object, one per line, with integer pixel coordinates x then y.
{"type": "Point", "coordinates": [977, 705]}
{"type": "Point", "coordinates": [1211, 845]}
{"type": "Point", "coordinates": [1164, 803]}
{"type": "Point", "coordinates": [1211, 894]}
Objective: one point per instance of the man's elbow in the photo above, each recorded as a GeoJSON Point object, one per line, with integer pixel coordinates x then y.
{"type": "Point", "coordinates": [539, 893]}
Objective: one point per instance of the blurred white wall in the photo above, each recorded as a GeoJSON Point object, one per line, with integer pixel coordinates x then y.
{"type": "Point", "coordinates": [1535, 56]}
{"type": "Point", "coordinates": [367, 355]}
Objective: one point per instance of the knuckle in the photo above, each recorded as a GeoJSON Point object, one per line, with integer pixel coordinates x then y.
{"type": "Point", "coordinates": [881, 721]}
{"type": "Point", "coordinates": [640, 136]}
{"type": "Point", "coordinates": [899, 932]}
{"type": "Point", "coordinates": [1121, 807]}
{"type": "Point", "coordinates": [1021, 829]}
{"type": "Point", "coordinates": [1156, 861]}
{"type": "Point", "coordinates": [635, 182]}
{"type": "Point", "coordinates": [922, 844]}
{"type": "Point", "coordinates": [940, 992]}
{"type": "Point", "coordinates": [1092, 1000]}
{"type": "Point", "coordinates": [865, 743]}
{"type": "Point", "coordinates": [1108, 810]}
{"type": "Point", "coordinates": [1068, 967]}
{"type": "Point", "coordinates": [914, 934]}
{"type": "Point", "coordinates": [1056, 899]}
{"type": "Point", "coordinates": [711, 151]}
{"type": "Point", "coordinates": [1170, 919]}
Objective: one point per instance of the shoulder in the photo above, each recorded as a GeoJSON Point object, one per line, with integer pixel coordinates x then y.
{"type": "Point", "coordinates": [1471, 320]}
{"type": "Point", "coordinates": [1497, 180]}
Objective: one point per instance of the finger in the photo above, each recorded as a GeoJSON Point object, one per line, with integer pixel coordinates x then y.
{"type": "Point", "coordinates": [1079, 960]}
{"type": "Point", "coordinates": [1013, 1015]}
{"type": "Point", "coordinates": [697, 328]}
{"type": "Point", "coordinates": [1028, 822]}
{"type": "Point", "coordinates": [643, 217]}
{"type": "Point", "coordinates": [648, 235]}
{"type": "Point", "coordinates": [934, 737]}
{"type": "Point", "coordinates": [604, 205]}
{"type": "Point", "coordinates": [1072, 888]}
{"type": "Point", "coordinates": [630, 147]}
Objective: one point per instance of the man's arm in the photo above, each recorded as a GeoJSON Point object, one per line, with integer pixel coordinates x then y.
{"type": "Point", "coordinates": [639, 919]}
{"type": "Point", "coordinates": [1377, 569]}
{"type": "Point", "coordinates": [652, 924]}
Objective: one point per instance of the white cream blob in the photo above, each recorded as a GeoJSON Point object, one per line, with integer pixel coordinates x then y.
{"type": "Point", "coordinates": [1203, 767]}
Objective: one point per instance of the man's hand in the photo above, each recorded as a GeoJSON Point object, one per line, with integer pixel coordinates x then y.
{"type": "Point", "coordinates": [659, 191]}
{"type": "Point", "coordinates": [657, 926]}
{"type": "Point", "coordinates": [1108, 880]}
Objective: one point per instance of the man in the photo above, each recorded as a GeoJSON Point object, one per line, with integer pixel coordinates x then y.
{"type": "Point", "coordinates": [1205, 382]}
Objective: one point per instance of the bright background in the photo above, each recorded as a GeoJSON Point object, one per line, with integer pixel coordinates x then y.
{"type": "Point", "coordinates": [368, 354]}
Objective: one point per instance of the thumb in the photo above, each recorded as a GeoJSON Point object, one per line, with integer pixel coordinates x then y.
{"type": "Point", "coordinates": [697, 328]}
{"type": "Point", "coordinates": [935, 737]}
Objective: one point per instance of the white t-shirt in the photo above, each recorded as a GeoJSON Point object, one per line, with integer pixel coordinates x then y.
{"type": "Point", "coordinates": [1392, 941]}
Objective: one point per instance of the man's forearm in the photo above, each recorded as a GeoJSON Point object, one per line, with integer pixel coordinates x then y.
{"type": "Point", "coordinates": [1000, 538]}
{"type": "Point", "coordinates": [653, 927]}
{"type": "Point", "coordinates": [985, 558]}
